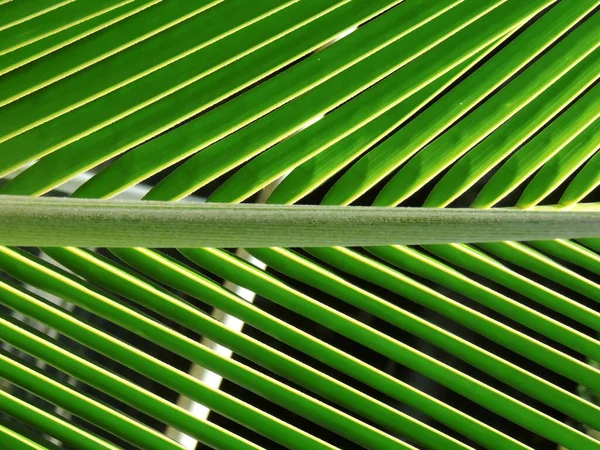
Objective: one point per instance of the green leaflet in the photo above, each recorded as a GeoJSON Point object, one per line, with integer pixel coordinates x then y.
{"type": "Point", "coordinates": [317, 167]}
{"type": "Point", "coordinates": [560, 166]}
{"type": "Point", "coordinates": [218, 73]}
{"type": "Point", "coordinates": [310, 174]}
{"type": "Point", "coordinates": [584, 183]}
{"type": "Point", "coordinates": [51, 424]}
{"type": "Point", "coordinates": [56, 41]}
{"type": "Point", "coordinates": [388, 156]}
{"type": "Point", "coordinates": [358, 65]}
{"type": "Point", "coordinates": [575, 121]}
{"type": "Point", "coordinates": [429, 268]}
{"type": "Point", "coordinates": [514, 132]}
{"type": "Point", "coordinates": [519, 254]}
{"type": "Point", "coordinates": [67, 397]}
{"type": "Point", "coordinates": [478, 262]}
{"type": "Point", "coordinates": [415, 64]}
{"type": "Point", "coordinates": [83, 54]}
{"type": "Point", "coordinates": [352, 262]}
{"type": "Point", "coordinates": [570, 251]}
{"type": "Point", "coordinates": [304, 270]}
{"type": "Point", "coordinates": [593, 244]}
{"type": "Point", "coordinates": [148, 295]}
{"type": "Point", "coordinates": [53, 22]}
{"type": "Point", "coordinates": [168, 50]}
{"type": "Point", "coordinates": [16, 441]}
{"type": "Point", "coordinates": [270, 288]}
{"type": "Point", "coordinates": [147, 366]}
{"type": "Point", "coordinates": [487, 117]}
{"type": "Point", "coordinates": [16, 13]}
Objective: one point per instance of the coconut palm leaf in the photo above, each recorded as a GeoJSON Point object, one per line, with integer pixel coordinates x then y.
{"type": "Point", "coordinates": [473, 341]}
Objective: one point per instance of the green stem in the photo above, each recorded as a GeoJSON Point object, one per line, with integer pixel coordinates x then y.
{"type": "Point", "coordinates": [77, 222]}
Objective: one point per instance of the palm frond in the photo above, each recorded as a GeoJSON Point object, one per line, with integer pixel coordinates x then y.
{"type": "Point", "coordinates": [436, 342]}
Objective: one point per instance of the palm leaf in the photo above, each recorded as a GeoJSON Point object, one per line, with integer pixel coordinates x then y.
{"type": "Point", "coordinates": [447, 339]}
